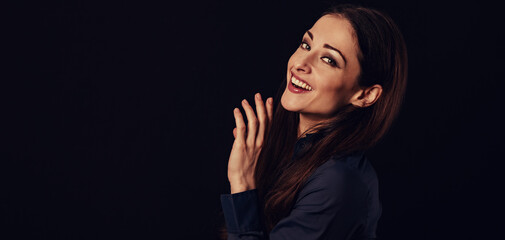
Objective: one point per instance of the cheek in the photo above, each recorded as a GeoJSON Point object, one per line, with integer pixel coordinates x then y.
{"type": "Point", "coordinates": [331, 82]}
{"type": "Point", "coordinates": [330, 95]}
{"type": "Point", "coordinates": [291, 60]}
{"type": "Point", "coordinates": [338, 91]}
{"type": "Point", "coordinates": [333, 90]}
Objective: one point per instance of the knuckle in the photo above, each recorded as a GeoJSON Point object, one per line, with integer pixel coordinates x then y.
{"type": "Point", "coordinates": [238, 145]}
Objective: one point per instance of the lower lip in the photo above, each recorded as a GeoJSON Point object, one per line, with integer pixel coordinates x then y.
{"type": "Point", "coordinates": [294, 89]}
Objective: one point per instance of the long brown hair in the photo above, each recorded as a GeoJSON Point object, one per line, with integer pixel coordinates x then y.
{"type": "Point", "coordinates": [383, 61]}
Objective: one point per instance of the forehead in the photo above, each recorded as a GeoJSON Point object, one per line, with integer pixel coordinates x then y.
{"type": "Point", "coordinates": [336, 31]}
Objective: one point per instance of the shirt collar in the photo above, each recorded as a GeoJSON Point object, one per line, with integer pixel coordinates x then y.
{"type": "Point", "coordinates": [308, 138]}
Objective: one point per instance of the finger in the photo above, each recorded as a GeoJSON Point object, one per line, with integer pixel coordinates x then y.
{"type": "Point", "coordinates": [241, 128]}
{"type": "Point", "coordinates": [262, 119]}
{"type": "Point", "coordinates": [252, 123]}
{"type": "Point", "coordinates": [235, 133]}
{"type": "Point", "coordinates": [270, 111]}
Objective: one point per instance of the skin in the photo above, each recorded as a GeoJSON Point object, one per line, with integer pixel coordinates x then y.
{"type": "Point", "coordinates": [334, 83]}
{"type": "Point", "coordinates": [333, 79]}
{"type": "Point", "coordinates": [248, 143]}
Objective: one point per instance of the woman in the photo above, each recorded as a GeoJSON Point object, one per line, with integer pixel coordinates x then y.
{"type": "Point", "coordinates": [302, 173]}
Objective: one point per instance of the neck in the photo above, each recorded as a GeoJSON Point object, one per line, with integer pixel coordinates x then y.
{"type": "Point", "coordinates": [307, 121]}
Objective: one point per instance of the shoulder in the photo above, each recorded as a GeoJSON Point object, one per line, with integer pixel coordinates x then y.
{"type": "Point", "coordinates": [342, 179]}
{"type": "Point", "coordinates": [345, 190]}
{"type": "Point", "coordinates": [353, 168]}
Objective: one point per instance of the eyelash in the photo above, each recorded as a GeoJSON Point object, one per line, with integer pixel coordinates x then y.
{"type": "Point", "coordinates": [330, 61]}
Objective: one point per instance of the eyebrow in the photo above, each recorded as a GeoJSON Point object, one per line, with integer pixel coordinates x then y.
{"type": "Point", "coordinates": [328, 46]}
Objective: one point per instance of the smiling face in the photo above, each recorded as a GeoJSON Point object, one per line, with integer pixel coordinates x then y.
{"type": "Point", "coordinates": [325, 67]}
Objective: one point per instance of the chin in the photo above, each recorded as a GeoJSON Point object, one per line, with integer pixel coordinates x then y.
{"type": "Point", "coordinates": [288, 103]}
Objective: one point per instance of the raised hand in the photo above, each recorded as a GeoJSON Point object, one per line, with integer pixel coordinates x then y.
{"type": "Point", "coordinates": [248, 142]}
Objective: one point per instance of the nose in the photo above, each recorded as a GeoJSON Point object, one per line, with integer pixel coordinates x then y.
{"type": "Point", "coordinates": [302, 65]}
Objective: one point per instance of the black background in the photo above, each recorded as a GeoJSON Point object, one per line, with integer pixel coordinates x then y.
{"type": "Point", "coordinates": [117, 116]}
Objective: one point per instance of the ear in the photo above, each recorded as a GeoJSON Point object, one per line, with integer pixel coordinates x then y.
{"type": "Point", "coordinates": [366, 97]}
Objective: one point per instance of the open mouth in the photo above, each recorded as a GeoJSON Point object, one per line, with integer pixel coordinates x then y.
{"type": "Point", "coordinates": [300, 84]}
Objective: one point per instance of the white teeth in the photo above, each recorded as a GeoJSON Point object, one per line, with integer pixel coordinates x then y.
{"type": "Point", "coordinates": [300, 84]}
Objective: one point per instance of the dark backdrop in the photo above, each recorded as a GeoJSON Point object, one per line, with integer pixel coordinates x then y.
{"type": "Point", "coordinates": [117, 117]}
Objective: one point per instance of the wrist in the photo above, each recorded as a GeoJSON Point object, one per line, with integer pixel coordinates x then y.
{"type": "Point", "coordinates": [237, 186]}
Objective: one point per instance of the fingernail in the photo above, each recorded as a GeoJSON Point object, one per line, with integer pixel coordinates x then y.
{"type": "Point", "coordinates": [270, 101]}
{"type": "Point", "coordinates": [258, 96]}
{"type": "Point", "coordinates": [244, 101]}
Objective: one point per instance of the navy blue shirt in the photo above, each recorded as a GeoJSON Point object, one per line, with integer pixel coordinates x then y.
{"type": "Point", "coordinates": [340, 200]}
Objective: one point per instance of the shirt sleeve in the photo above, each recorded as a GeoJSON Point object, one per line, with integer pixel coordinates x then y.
{"type": "Point", "coordinates": [332, 205]}
{"type": "Point", "coordinates": [241, 214]}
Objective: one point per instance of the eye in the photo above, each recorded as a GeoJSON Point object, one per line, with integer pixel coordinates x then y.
{"type": "Point", "coordinates": [330, 61]}
{"type": "Point", "coordinates": [305, 45]}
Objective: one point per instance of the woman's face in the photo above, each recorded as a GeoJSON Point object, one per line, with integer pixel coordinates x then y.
{"type": "Point", "coordinates": [327, 63]}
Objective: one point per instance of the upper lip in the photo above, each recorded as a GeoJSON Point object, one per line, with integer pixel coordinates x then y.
{"type": "Point", "coordinates": [297, 77]}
